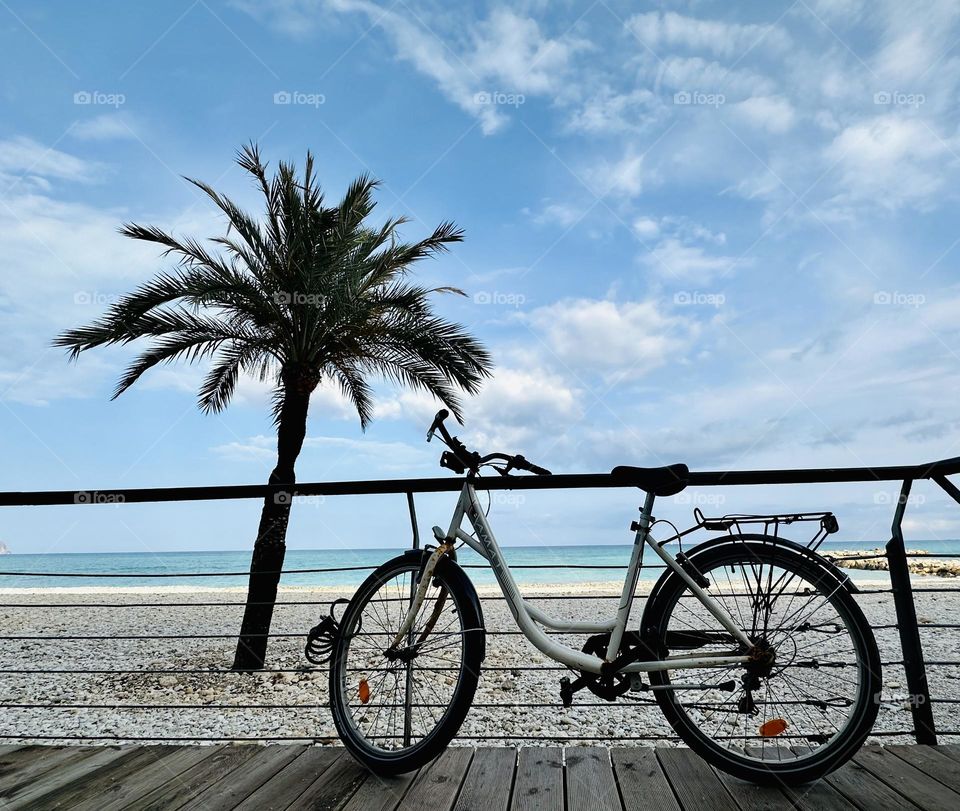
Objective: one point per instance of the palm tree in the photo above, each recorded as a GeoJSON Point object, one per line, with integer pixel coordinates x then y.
{"type": "Point", "coordinates": [308, 295]}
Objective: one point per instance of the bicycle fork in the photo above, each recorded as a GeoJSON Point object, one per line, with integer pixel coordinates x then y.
{"type": "Point", "coordinates": [426, 576]}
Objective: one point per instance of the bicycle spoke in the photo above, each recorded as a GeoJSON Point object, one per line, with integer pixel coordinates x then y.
{"type": "Point", "coordinates": [801, 693]}
{"type": "Point", "coordinates": [392, 694]}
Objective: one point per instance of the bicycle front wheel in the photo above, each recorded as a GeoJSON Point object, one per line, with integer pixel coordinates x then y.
{"type": "Point", "coordinates": [809, 698]}
{"type": "Point", "coordinates": [397, 709]}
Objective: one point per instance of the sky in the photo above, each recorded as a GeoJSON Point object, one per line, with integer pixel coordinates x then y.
{"type": "Point", "coordinates": [711, 233]}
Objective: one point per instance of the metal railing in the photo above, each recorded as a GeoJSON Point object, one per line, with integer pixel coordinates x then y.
{"type": "Point", "coordinates": [923, 727]}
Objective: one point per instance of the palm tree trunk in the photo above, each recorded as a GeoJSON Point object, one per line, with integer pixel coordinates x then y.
{"type": "Point", "coordinates": [270, 546]}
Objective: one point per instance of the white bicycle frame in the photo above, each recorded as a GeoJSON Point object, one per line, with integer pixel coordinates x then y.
{"type": "Point", "coordinates": [529, 618]}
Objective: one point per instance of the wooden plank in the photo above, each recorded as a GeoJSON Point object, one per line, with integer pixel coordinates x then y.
{"type": "Point", "coordinates": [23, 794]}
{"type": "Point", "coordinates": [380, 793]}
{"type": "Point", "coordinates": [36, 764]}
{"type": "Point", "coordinates": [927, 759]}
{"type": "Point", "coordinates": [123, 791]}
{"type": "Point", "coordinates": [539, 781]}
{"type": "Point", "coordinates": [193, 781]}
{"type": "Point", "coordinates": [590, 783]}
{"type": "Point", "coordinates": [8, 755]}
{"type": "Point", "coordinates": [834, 790]}
{"type": "Point", "coordinates": [234, 788]}
{"type": "Point", "coordinates": [489, 780]}
{"type": "Point", "coordinates": [438, 783]}
{"type": "Point", "coordinates": [750, 796]}
{"type": "Point", "coordinates": [334, 787]}
{"type": "Point", "coordinates": [906, 779]}
{"type": "Point", "coordinates": [289, 783]}
{"type": "Point", "coordinates": [951, 750]}
{"type": "Point", "coordinates": [864, 790]}
{"type": "Point", "coordinates": [642, 781]}
{"type": "Point", "coordinates": [9, 760]}
{"type": "Point", "coordinates": [818, 796]}
{"type": "Point", "coordinates": [93, 784]}
{"type": "Point", "coordinates": [694, 783]}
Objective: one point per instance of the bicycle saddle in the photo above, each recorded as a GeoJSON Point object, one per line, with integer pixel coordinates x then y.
{"type": "Point", "coordinates": [661, 481]}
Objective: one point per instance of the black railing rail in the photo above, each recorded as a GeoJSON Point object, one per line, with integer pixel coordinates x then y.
{"type": "Point", "coordinates": [910, 631]}
{"type": "Point", "coordinates": [561, 481]}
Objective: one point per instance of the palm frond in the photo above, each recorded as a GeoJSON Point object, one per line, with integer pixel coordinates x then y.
{"type": "Point", "coordinates": [306, 291]}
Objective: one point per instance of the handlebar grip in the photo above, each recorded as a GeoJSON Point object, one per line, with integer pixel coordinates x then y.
{"type": "Point", "coordinates": [520, 462]}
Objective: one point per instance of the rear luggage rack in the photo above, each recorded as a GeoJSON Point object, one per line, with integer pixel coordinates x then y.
{"type": "Point", "coordinates": [826, 522]}
{"type": "Point", "coordinates": [735, 524]}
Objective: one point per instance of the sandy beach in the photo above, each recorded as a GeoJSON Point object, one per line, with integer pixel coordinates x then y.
{"type": "Point", "coordinates": [192, 704]}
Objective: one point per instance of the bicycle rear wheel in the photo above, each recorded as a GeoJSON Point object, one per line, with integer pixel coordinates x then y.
{"type": "Point", "coordinates": [396, 710]}
{"type": "Point", "coordinates": [810, 698]}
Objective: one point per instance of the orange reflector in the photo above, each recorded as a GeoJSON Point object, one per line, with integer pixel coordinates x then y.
{"type": "Point", "coordinates": [364, 691]}
{"type": "Point", "coordinates": [773, 727]}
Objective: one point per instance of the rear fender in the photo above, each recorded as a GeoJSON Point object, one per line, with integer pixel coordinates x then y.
{"type": "Point", "coordinates": [830, 567]}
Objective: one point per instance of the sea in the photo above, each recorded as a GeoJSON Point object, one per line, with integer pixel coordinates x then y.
{"type": "Point", "coordinates": [346, 568]}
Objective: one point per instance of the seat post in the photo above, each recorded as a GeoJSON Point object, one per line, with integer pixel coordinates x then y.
{"type": "Point", "coordinates": [646, 515]}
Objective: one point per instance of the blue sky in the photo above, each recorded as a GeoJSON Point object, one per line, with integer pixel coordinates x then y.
{"type": "Point", "coordinates": [695, 232]}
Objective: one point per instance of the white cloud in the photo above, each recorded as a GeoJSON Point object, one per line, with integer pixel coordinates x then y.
{"type": "Point", "coordinates": [622, 177]}
{"type": "Point", "coordinates": [606, 111]}
{"type": "Point", "coordinates": [106, 127]}
{"type": "Point", "coordinates": [772, 113]}
{"type": "Point", "coordinates": [598, 336]}
{"type": "Point", "coordinates": [64, 265]}
{"type": "Point", "coordinates": [891, 161]}
{"type": "Point", "coordinates": [23, 157]}
{"type": "Point", "coordinates": [646, 228]}
{"type": "Point", "coordinates": [916, 38]}
{"type": "Point", "coordinates": [293, 18]}
{"type": "Point", "coordinates": [671, 30]}
{"type": "Point", "coordinates": [674, 259]}
{"type": "Point", "coordinates": [487, 72]}
{"type": "Point", "coordinates": [562, 214]}
{"type": "Point", "coordinates": [521, 405]}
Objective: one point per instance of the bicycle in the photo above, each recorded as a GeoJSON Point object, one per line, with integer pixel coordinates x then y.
{"type": "Point", "coordinates": [753, 646]}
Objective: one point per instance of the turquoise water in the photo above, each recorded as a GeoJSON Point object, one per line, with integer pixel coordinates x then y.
{"type": "Point", "coordinates": [225, 569]}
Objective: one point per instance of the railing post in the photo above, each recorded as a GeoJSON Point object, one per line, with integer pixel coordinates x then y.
{"type": "Point", "coordinates": [924, 729]}
{"type": "Point", "coordinates": [408, 686]}
{"type": "Point", "coordinates": [413, 520]}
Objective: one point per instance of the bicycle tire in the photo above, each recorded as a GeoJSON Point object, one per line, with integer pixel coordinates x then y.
{"type": "Point", "coordinates": [467, 606]}
{"type": "Point", "coordinates": [809, 764]}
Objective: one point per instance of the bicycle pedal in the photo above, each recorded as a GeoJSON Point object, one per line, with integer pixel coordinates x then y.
{"type": "Point", "coordinates": [637, 684]}
{"type": "Point", "coordinates": [568, 688]}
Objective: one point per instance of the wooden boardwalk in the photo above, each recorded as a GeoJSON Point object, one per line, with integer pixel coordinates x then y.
{"type": "Point", "coordinates": [485, 779]}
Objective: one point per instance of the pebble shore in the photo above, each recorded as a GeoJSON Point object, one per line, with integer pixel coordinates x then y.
{"type": "Point", "coordinates": [514, 703]}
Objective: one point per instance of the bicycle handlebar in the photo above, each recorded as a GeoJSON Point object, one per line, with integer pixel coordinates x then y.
{"type": "Point", "coordinates": [460, 459]}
